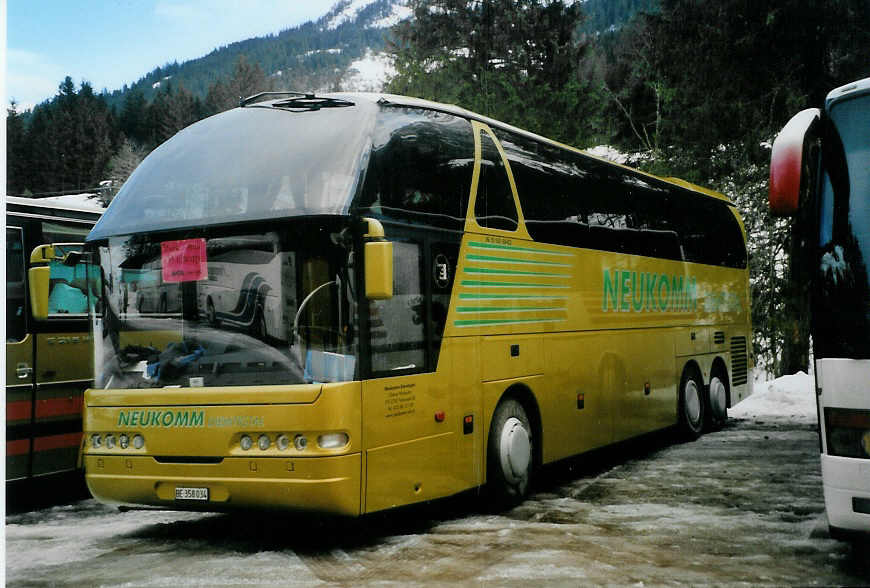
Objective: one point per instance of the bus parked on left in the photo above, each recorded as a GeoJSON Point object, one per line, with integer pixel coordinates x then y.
{"type": "Point", "coordinates": [48, 350]}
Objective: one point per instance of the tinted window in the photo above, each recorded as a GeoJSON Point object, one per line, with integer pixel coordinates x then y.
{"type": "Point", "coordinates": [841, 293]}
{"type": "Point", "coordinates": [420, 168]}
{"type": "Point", "coordinates": [572, 199]}
{"type": "Point", "coordinates": [16, 321]}
{"type": "Point", "coordinates": [397, 325]}
{"type": "Point", "coordinates": [494, 207]}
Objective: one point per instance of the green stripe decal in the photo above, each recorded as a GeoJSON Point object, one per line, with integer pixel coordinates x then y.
{"type": "Point", "coordinates": [508, 309]}
{"type": "Point", "coordinates": [498, 272]}
{"type": "Point", "coordinates": [490, 259]}
{"type": "Point", "coordinates": [479, 284]}
{"type": "Point", "coordinates": [490, 322]}
{"type": "Point", "coordinates": [478, 245]}
{"type": "Point", "coordinates": [509, 297]}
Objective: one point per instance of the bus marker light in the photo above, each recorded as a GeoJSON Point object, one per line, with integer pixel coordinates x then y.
{"type": "Point", "coordinates": [283, 442]}
{"type": "Point", "coordinates": [300, 442]}
{"type": "Point", "coordinates": [468, 424]}
{"type": "Point", "coordinates": [581, 400]}
{"type": "Point", "coordinates": [138, 441]}
{"type": "Point", "coordinates": [263, 442]}
{"type": "Point", "coordinates": [332, 440]}
{"type": "Point", "coordinates": [439, 416]}
{"type": "Point", "coordinates": [246, 442]}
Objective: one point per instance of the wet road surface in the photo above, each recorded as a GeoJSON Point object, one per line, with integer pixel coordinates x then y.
{"type": "Point", "coordinates": [741, 506]}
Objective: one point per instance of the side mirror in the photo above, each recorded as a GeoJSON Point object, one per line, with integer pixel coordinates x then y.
{"type": "Point", "coordinates": [38, 280]}
{"type": "Point", "coordinates": [378, 263]}
{"type": "Point", "coordinates": [790, 163]}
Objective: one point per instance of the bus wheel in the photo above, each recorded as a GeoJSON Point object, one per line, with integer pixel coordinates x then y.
{"type": "Point", "coordinates": [509, 455]}
{"type": "Point", "coordinates": [717, 402]}
{"type": "Point", "coordinates": [691, 404]}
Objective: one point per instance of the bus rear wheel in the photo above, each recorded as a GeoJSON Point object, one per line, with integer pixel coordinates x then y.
{"type": "Point", "coordinates": [691, 404]}
{"type": "Point", "coordinates": [509, 454]}
{"type": "Point", "coordinates": [717, 399]}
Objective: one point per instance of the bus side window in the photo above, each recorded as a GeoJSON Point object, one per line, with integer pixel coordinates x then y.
{"type": "Point", "coordinates": [68, 289]}
{"type": "Point", "coordinates": [16, 319]}
{"type": "Point", "coordinates": [494, 208]}
{"type": "Point", "coordinates": [398, 324]}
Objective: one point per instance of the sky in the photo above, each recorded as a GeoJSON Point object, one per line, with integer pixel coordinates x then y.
{"type": "Point", "coordinates": [112, 42]}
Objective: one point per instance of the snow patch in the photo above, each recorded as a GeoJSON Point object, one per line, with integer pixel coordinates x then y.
{"type": "Point", "coordinates": [87, 201]}
{"type": "Point", "coordinates": [368, 74]}
{"type": "Point", "coordinates": [789, 398]}
{"type": "Point", "coordinates": [609, 153]}
{"type": "Point", "coordinates": [399, 13]}
{"type": "Point", "coordinates": [348, 14]}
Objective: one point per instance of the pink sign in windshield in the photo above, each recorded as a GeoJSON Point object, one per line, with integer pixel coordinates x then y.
{"type": "Point", "coordinates": [184, 261]}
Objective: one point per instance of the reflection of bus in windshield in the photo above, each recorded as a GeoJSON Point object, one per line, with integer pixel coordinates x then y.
{"type": "Point", "coordinates": [832, 208]}
{"type": "Point", "coordinates": [48, 359]}
{"type": "Point", "coordinates": [447, 302]}
{"type": "Point", "coordinates": [247, 279]}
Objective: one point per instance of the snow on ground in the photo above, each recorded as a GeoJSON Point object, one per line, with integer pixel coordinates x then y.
{"type": "Point", "coordinates": [789, 398]}
{"type": "Point", "coordinates": [368, 74]}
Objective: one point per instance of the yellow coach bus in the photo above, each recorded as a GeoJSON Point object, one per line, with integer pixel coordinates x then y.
{"type": "Point", "coordinates": [414, 301]}
{"type": "Point", "coordinates": [48, 350]}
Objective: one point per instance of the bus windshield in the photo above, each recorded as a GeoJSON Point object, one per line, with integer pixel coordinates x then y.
{"type": "Point", "coordinates": [245, 164]}
{"type": "Point", "coordinates": [227, 307]}
{"type": "Point", "coordinates": [842, 297]}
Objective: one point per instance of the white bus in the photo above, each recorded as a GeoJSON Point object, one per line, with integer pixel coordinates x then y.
{"type": "Point", "coordinates": [820, 173]}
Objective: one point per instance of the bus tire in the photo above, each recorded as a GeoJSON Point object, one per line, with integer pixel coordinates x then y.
{"type": "Point", "coordinates": [509, 454]}
{"type": "Point", "coordinates": [717, 401]}
{"type": "Point", "coordinates": [692, 404]}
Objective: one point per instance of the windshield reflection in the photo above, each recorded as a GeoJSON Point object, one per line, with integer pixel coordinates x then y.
{"type": "Point", "coordinates": [227, 309]}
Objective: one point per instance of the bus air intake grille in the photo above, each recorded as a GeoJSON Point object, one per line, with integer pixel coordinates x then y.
{"type": "Point", "coordinates": [739, 361]}
{"type": "Point", "coordinates": [718, 337]}
{"type": "Point", "coordinates": [188, 459]}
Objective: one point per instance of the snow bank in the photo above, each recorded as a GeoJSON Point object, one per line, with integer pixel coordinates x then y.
{"type": "Point", "coordinates": [789, 398]}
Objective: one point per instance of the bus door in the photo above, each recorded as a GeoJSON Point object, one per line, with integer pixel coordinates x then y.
{"type": "Point", "coordinates": [411, 423]}
{"type": "Point", "coordinates": [19, 359]}
{"type": "Point", "coordinates": [62, 368]}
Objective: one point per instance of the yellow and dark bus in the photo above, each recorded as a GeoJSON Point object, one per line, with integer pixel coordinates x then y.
{"type": "Point", "coordinates": [450, 302]}
{"type": "Point", "coordinates": [49, 359]}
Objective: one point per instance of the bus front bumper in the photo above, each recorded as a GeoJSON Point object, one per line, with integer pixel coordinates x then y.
{"type": "Point", "coordinates": [847, 494]}
{"type": "Point", "coordinates": [322, 484]}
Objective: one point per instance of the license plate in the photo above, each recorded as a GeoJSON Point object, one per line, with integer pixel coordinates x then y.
{"type": "Point", "coordinates": [182, 493]}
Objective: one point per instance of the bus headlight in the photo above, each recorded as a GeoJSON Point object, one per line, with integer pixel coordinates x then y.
{"type": "Point", "coordinates": [283, 442]}
{"type": "Point", "coordinates": [246, 442]}
{"type": "Point", "coordinates": [263, 442]}
{"type": "Point", "coordinates": [848, 432]}
{"type": "Point", "coordinates": [96, 441]}
{"type": "Point", "coordinates": [332, 440]}
{"type": "Point", "coordinates": [300, 442]}
{"type": "Point", "coordinates": [138, 441]}
{"type": "Point", "coordinates": [110, 441]}
{"type": "Point", "coordinates": [123, 441]}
